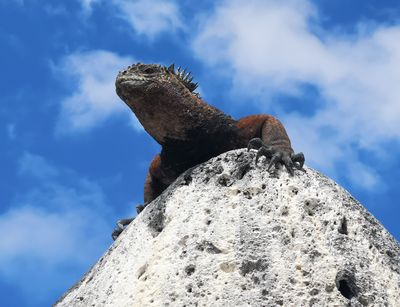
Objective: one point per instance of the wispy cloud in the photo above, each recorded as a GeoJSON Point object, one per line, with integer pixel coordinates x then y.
{"type": "Point", "coordinates": [52, 9]}
{"type": "Point", "coordinates": [87, 4]}
{"type": "Point", "coordinates": [271, 47]}
{"type": "Point", "coordinates": [150, 17]}
{"type": "Point", "coordinates": [60, 223]}
{"type": "Point", "coordinates": [36, 166]}
{"type": "Point", "coordinates": [11, 131]}
{"type": "Point", "coordinates": [146, 17]}
{"type": "Point", "coordinates": [19, 2]}
{"type": "Point", "coordinates": [94, 99]}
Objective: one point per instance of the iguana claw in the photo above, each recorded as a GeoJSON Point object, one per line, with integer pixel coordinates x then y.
{"type": "Point", "coordinates": [264, 151]}
{"type": "Point", "coordinates": [121, 224]}
{"type": "Point", "coordinates": [277, 156]}
{"type": "Point", "coordinates": [298, 160]}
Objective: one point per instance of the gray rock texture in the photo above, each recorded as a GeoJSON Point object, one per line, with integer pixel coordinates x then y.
{"type": "Point", "coordinates": [228, 233]}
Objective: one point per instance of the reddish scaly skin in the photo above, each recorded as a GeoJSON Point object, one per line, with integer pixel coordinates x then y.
{"type": "Point", "coordinates": [189, 130]}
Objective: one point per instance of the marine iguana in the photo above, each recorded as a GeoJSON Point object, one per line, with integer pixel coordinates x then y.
{"type": "Point", "coordinates": [191, 131]}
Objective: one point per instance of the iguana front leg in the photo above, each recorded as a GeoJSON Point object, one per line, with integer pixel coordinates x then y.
{"type": "Point", "coordinates": [269, 137]}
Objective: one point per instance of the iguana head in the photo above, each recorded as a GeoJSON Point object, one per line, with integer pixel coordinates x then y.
{"type": "Point", "coordinates": [161, 97]}
{"type": "Point", "coordinates": [143, 76]}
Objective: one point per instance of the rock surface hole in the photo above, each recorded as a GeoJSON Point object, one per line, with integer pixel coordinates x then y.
{"type": "Point", "coordinates": [345, 283]}
{"type": "Point", "coordinates": [343, 226]}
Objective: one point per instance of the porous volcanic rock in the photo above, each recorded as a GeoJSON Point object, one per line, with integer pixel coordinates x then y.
{"type": "Point", "coordinates": [228, 233]}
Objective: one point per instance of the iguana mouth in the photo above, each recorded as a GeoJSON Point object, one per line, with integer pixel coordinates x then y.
{"type": "Point", "coordinates": [132, 81]}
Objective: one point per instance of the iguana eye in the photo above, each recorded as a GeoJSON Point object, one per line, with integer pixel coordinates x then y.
{"type": "Point", "coordinates": [149, 70]}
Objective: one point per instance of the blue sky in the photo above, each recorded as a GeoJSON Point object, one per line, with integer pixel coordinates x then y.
{"type": "Point", "coordinates": [73, 158]}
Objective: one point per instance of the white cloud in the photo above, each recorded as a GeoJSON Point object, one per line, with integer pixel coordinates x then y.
{"type": "Point", "coordinates": [363, 176]}
{"type": "Point", "coordinates": [87, 4]}
{"type": "Point", "coordinates": [51, 238]}
{"type": "Point", "coordinates": [95, 99]}
{"type": "Point", "coordinates": [55, 9]}
{"type": "Point", "coordinates": [150, 17]}
{"type": "Point", "coordinates": [270, 47]}
{"type": "Point", "coordinates": [36, 166]}
{"type": "Point", "coordinates": [147, 17]}
{"type": "Point", "coordinates": [52, 231]}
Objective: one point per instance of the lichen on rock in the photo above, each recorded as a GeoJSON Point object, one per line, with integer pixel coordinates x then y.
{"type": "Point", "coordinates": [228, 233]}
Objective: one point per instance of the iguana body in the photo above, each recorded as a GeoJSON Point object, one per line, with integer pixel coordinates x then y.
{"type": "Point", "coordinates": [189, 130]}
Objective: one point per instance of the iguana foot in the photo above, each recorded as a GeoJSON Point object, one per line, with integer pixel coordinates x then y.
{"type": "Point", "coordinates": [121, 224]}
{"type": "Point", "coordinates": [277, 156]}
{"type": "Point", "coordinates": [139, 208]}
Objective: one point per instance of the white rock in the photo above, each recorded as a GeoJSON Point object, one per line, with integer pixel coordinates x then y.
{"type": "Point", "coordinates": [216, 239]}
